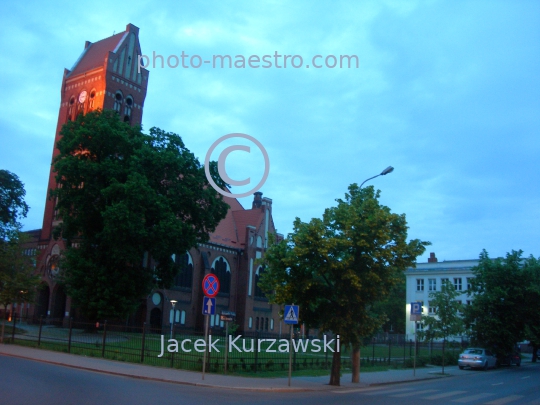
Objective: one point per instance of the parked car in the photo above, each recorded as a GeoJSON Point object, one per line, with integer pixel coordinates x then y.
{"type": "Point", "coordinates": [475, 357]}
{"type": "Point", "coordinates": [511, 359]}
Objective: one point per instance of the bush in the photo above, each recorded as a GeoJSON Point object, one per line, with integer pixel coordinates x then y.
{"type": "Point", "coordinates": [450, 359]}
{"type": "Point", "coordinates": [420, 362]}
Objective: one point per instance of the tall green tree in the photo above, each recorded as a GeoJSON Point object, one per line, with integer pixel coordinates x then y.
{"type": "Point", "coordinates": [338, 267]}
{"type": "Point", "coordinates": [122, 196]}
{"type": "Point", "coordinates": [18, 283]}
{"type": "Point", "coordinates": [12, 205]}
{"type": "Point", "coordinates": [447, 320]}
{"type": "Point", "coordinates": [531, 284]}
{"type": "Point", "coordinates": [498, 313]}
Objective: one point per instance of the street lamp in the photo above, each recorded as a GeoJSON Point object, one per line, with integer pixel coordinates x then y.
{"type": "Point", "coordinates": [173, 302]}
{"type": "Point", "coordinates": [389, 169]}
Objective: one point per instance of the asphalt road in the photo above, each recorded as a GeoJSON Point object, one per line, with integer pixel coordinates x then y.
{"type": "Point", "coordinates": [27, 382]}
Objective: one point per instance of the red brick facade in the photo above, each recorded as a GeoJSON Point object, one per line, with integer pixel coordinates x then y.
{"type": "Point", "coordinates": [106, 76]}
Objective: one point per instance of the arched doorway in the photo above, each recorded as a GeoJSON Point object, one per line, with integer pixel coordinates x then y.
{"type": "Point", "coordinates": [59, 306]}
{"type": "Point", "coordinates": [155, 320]}
{"type": "Point", "coordinates": [42, 305]}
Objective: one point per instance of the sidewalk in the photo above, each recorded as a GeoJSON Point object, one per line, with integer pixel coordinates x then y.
{"type": "Point", "coordinates": [219, 380]}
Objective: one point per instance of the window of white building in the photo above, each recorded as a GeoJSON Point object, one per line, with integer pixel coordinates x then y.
{"type": "Point", "coordinates": [419, 284]}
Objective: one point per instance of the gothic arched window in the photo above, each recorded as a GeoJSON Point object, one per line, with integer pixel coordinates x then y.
{"type": "Point", "coordinates": [222, 270]}
{"type": "Point", "coordinates": [258, 292]}
{"type": "Point", "coordinates": [184, 279]}
{"type": "Point", "coordinates": [127, 109]}
{"type": "Point", "coordinates": [92, 100]}
{"type": "Point", "coordinates": [71, 108]}
{"type": "Point", "coordinates": [118, 99]}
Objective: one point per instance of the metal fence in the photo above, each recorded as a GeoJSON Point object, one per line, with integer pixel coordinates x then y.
{"type": "Point", "coordinates": [143, 345]}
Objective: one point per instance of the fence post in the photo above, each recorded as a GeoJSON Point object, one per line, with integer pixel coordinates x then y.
{"type": "Point", "coordinates": [104, 339]}
{"type": "Point", "coordinates": [40, 326]}
{"type": "Point", "coordinates": [143, 340]}
{"type": "Point", "coordinates": [256, 351]}
{"type": "Point", "coordinates": [14, 324]}
{"type": "Point", "coordinates": [172, 337]}
{"type": "Point", "coordinates": [389, 348]}
{"type": "Point", "coordinates": [294, 354]}
{"type": "Point", "coordinates": [69, 338]}
{"type": "Point", "coordinates": [326, 359]}
{"type": "Point", "coordinates": [373, 354]}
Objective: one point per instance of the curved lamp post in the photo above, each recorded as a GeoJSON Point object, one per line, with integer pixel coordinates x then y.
{"type": "Point", "coordinates": [173, 302]}
{"type": "Point", "coordinates": [389, 169]}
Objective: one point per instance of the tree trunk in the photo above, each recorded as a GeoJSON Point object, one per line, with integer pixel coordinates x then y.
{"type": "Point", "coordinates": [336, 368]}
{"type": "Point", "coordinates": [355, 361]}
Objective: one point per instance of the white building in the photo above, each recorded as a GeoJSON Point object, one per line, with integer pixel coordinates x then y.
{"type": "Point", "coordinates": [428, 277]}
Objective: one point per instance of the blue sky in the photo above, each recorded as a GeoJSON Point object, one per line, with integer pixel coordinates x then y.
{"type": "Point", "coordinates": [447, 92]}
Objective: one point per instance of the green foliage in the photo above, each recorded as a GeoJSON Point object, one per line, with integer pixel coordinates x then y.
{"type": "Point", "coordinates": [17, 280]}
{"type": "Point", "coordinates": [501, 311]}
{"type": "Point", "coordinates": [12, 205]}
{"type": "Point", "coordinates": [121, 194]}
{"type": "Point", "coordinates": [450, 359]}
{"type": "Point", "coordinates": [447, 320]}
{"type": "Point", "coordinates": [338, 267]}
{"type": "Point", "coordinates": [392, 308]}
{"type": "Point", "coordinates": [18, 283]}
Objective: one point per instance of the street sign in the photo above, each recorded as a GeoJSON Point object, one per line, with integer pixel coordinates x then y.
{"type": "Point", "coordinates": [416, 311]}
{"type": "Point", "coordinates": [416, 308]}
{"type": "Point", "coordinates": [291, 314]}
{"type": "Point", "coordinates": [227, 316]}
{"type": "Point", "coordinates": [210, 285]}
{"type": "Point", "coordinates": [209, 306]}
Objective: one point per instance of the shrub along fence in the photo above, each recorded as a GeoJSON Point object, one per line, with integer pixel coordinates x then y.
{"type": "Point", "coordinates": [144, 345]}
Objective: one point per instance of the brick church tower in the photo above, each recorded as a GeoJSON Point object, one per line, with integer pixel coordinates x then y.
{"type": "Point", "coordinates": [106, 76]}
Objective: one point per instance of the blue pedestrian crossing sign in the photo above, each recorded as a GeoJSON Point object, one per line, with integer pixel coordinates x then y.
{"type": "Point", "coordinates": [291, 314]}
{"type": "Point", "coordinates": [209, 306]}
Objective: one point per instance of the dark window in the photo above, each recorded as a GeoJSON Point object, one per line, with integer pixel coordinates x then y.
{"type": "Point", "coordinates": [257, 323]}
{"type": "Point", "coordinates": [223, 273]}
{"type": "Point", "coordinates": [118, 99]}
{"type": "Point", "coordinates": [184, 279]}
{"type": "Point", "coordinates": [258, 291]}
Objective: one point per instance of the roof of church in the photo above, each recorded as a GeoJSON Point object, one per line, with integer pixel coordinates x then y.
{"type": "Point", "coordinates": [95, 53]}
{"type": "Point", "coordinates": [231, 231]}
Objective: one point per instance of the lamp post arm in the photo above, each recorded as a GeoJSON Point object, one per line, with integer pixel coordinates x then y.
{"type": "Point", "coordinates": [368, 180]}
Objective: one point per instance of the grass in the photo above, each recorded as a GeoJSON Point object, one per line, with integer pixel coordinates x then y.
{"type": "Point", "coordinates": [127, 347]}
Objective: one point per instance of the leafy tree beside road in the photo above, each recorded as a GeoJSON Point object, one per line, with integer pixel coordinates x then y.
{"type": "Point", "coordinates": [339, 267]}
{"type": "Point", "coordinates": [17, 280]}
{"type": "Point", "coordinates": [18, 283]}
{"type": "Point", "coordinates": [505, 305]}
{"type": "Point", "coordinates": [447, 320]}
{"type": "Point", "coordinates": [122, 196]}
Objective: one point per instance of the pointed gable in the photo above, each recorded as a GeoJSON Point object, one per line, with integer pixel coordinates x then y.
{"type": "Point", "coordinates": [94, 54]}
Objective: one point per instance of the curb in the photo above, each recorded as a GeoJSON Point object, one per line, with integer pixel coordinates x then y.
{"type": "Point", "coordinates": [162, 379]}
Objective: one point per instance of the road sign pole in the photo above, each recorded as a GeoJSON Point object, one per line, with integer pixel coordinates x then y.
{"type": "Point", "coordinates": [415, 346]}
{"type": "Point", "coordinates": [226, 344]}
{"type": "Point", "coordinates": [290, 353]}
{"type": "Point", "coordinates": [205, 344]}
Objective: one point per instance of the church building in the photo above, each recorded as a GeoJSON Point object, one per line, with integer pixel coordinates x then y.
{"type": "Point", "coordinates": [106, 76]}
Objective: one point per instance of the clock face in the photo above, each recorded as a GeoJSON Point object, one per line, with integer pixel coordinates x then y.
{"type": "Point", "coordinates": [82, 97]}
